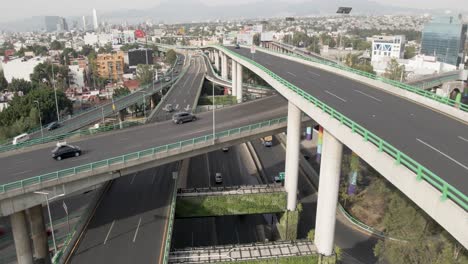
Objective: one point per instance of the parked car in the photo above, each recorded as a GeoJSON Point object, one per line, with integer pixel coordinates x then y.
{"type": "Point", "coordinates": [225, 149]}
{"type": "Point", "coordinates": [277, 179]}
{"type": "Point", "coordinates": [64, 150]}
{"type": "Point", "coordinates": [167, 79]}
{"type": "Point", "coordinates": [218, 177]}
{"type": "Point", "coordinates": [53, 125]}
{"type": "Point", "coordinates": [237, 46]}
{"type": "Point", "coordinates": [183, 117]}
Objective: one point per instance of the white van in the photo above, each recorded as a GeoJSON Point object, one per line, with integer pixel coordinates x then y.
{"type": "Point", "coordinates": [21, 138]}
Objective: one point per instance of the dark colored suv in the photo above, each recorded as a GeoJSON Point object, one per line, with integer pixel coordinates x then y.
{"type": "Point", "coordinates": [64, 150]}
{"type": "Point", "coordinates": [183, 117]}
{"type": "Point", "coordinates": [53, 125]}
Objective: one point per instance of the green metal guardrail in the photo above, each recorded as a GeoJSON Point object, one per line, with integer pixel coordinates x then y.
{"type": "Point", "coordinates": [422, 173]}
{"type": "Point", "coordinates": [134, 156]}
{"type": "Point", "coordinates": [82, 132]}
{"type": "Point", "coordinates": [438, 98]}
{"type": "Point", "coordinates": [167, 244]}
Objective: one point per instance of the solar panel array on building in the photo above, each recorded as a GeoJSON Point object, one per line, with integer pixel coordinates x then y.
{"type": "Point", "coordinates": [444, 38]}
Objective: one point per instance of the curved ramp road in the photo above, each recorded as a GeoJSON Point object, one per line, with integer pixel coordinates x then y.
{"type": "Point", "coordinates": [438, 142]}
{"type": "Point", "coordinates": [18, 165]}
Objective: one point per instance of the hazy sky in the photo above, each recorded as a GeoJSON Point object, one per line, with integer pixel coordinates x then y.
{"type": "Point", "coordinates": [17, 9]}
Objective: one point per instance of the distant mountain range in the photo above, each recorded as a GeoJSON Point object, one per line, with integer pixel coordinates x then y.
{"type": "Point", "coordinates": [175, 11]}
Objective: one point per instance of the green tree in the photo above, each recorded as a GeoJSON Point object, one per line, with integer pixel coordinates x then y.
{"type": "Point", "coordinates": [314, 45]}
{"type": "Point", "coordinates": [256, 39]}
{"type": "Point", "coordinates": [119, 92]}
{"type": "Point", "coordinates": [22, 85]}
{"type": "Point", "coordinates": [3, 81]}
{"type": "Point", "coordinates": [171, 56]}
{"type": "Point", "coordinates": [86, 50]}
{"type": "Point", "coordinates": [22, 114]}
{"type": "Point", "coordinates": [66, 54]}
{"type": "Point", "coordinates": [129, 46]}
{"type": "Point", "coordinates": [106, 48]}
{"type": "Point", "coordinates": [56, 45]}
{"type": "Point", "coordinates": [144, 73]}
{"type": "Point", "coordinates": [42, 73]}
{"type": "Point", "coordinates": [410, 52]}
{"type": "Point", "coordinates": [394, 71]}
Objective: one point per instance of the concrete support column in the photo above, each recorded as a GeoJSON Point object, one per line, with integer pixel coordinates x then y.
{"type": "Point", "coordinates": [224, 67]}
{"type": "Point", "coordinates": [121, 117]}
{"type": "Point", "coordinates": [216, 60]}
{"type": "Point", "coordinates": [234, 78]}
{"type": "Point", "coordinates": [39, 235]}
{"type": "Point", "coordinates": [152, 102]}
{"type": "Point", "coordinates": [239, 83]}
{"type": "Point", "coordinates": [292, 154]}
{"type": "Point", "coordinates": [21, 238]}
{"type": "Point", "coordinates": [330, 169]}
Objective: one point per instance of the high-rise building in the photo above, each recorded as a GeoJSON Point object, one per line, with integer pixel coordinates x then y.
{"type": "Point", "coordinates": [388, 46]}
{"type": "Point", "coordinates": [84, 24]}
{"type": "Point", "coordinates": [444, 38]}
{"type": "Point", "coordinates": [55, 23]}
{"type": "Point", "coordinates": [95, 20]}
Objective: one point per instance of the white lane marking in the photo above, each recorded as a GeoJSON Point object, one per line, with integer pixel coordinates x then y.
{"type": "Point", "coordinates": [447, 156]}
{"type": "Point", "coordinates": [316, 74]}
{"type": "Point", "coordinates": [335, 96]}
{"type": "Point", "coordinates": [185, 101]}
{"type": "Point", "coordinates": [133, 178]}
{"type": "Point", "coordinates": [108, 232]}
{"type": "Point", "coordinates": [177, 106]}
{"type": "Point", "coordinates": [462, 138]}
{"type": "Point", "coordinates": [292, 74]}
{"type": "Point", "coordinates": [23, 172]}
{"type": "Point", "coordinates": [136, 231]}
{"type": "Point", "coordinates": [368, 95]}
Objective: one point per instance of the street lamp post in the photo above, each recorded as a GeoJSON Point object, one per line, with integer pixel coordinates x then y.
{"type": "Point", "coordinates": [214, 126]}
{"type": "Point", "coordinates": [46, 195]}
{"type": "Point", "coordinates": [40, 118]}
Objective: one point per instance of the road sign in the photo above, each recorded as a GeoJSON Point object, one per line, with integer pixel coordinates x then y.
{"type": "Point", "coordinates": [281, 176]}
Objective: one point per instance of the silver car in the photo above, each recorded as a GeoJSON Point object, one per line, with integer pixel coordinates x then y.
{"type": "Point", "coordinates": [183, 117]}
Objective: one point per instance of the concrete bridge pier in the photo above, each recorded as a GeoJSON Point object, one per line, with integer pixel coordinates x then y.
{"type": "Point", "coordinates": [21, 238]}
{"type": "Point", "coordinates": [234, 77]}
{"type": "Point", "coordinates": [292, 154]}
{"type": "Point", "coordinates": [216, 60]}
{"type": "Point", "coordinates": [39, 235]}
{"type": "Point", "coordinates": [121, 118]}
{"type": "Point", "coordinates": [224, 67]}
{"type": "Point", "coordinates": [239, 83]}
{"type": "Point", "coordinates": [330, 169]}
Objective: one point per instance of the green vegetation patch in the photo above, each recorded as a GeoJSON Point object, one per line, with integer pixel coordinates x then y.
{"type": "Point", "coordinates": [231, 204]}
{"type": "Point", "coordinates": [219, 100]}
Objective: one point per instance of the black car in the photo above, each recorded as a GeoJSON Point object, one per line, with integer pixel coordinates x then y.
{"type": "Point", "coordinates": [237, 46]}
{"type": "Point", "coordinates": [64, 150]}
{"type": "Point", "coordinates": [53, 125]}
{"type": "Point", "coordinates": [183, 117]}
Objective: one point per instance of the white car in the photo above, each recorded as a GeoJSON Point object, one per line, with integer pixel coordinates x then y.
{"type": "Point", "coordinates": [218, 177]}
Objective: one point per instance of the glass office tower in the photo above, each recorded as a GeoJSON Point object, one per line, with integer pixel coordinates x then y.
{"type": "Point", "coordinates": [444, 37]}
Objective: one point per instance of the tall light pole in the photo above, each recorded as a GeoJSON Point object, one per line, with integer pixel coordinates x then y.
{"type": "Point", "coordinates": [214, 126]}
{"type": "Point", "coordinates": [55, 93]}
{"type": "Point", "coordinates": [40, 118]}
{"type": "Point", "coordinates": [46, 195]}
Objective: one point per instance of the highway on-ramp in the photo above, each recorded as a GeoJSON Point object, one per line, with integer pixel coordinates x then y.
{"type": "Point", "coordinates": [436, 141]}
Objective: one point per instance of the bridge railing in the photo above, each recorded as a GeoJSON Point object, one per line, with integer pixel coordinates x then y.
{"type": "Point", "coordinates": [422, 173]}
{"type": "Point", "coordinates": [423, 84]}
{"type": "Point", "coordinates": [427, 94]}
{"type": "Point", "coordinates": [21, 184]}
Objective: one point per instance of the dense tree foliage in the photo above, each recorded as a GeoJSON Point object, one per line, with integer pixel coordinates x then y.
{"type": "Point", "coordinates": [353, 61]}
{"type": "Point", "coordinates": [119, 92]}
{"type": "Point", "coordinates": [22, 85]}
{"type": "Point", "coordinates": [37, 49]}
{"type": "Point", "coordinates": [66, 54]}
{"type": "Point", "coordinates": [410, 52]}
{"type": "Point", "coordinates": [145, 74]}
{"type": "Point", "coordinates": [171, 56]}
{"type": "Point", "coordinates": [23, 115]}
{"type": "Point", "coordinates": [256, 39]}
{"type": "Point", "coordinates": [394, 71]}
{"type": "Point", "coordinates": [46, 72]}
{"type": "Point", "coordinates": [105, 49]}
{"type": "Point", "coordinates": [56, 45]}
{"type": "Point", "coordinates": [129, 46]}
{"type": "Point", "coordinates": [3, 82]}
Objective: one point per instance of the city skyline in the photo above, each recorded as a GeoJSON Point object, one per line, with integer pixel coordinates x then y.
{"type": "Point", "coordinates": [55, 7]}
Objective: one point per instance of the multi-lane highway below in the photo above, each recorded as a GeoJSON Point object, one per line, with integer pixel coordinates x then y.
{"type": "Point", "coordinates": [433, 139]}
{"type": "Point", "coordinates": [236, 168]}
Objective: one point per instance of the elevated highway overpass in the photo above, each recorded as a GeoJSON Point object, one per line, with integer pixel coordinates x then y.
{"type": "Point", "coordinates": [431, 169]}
